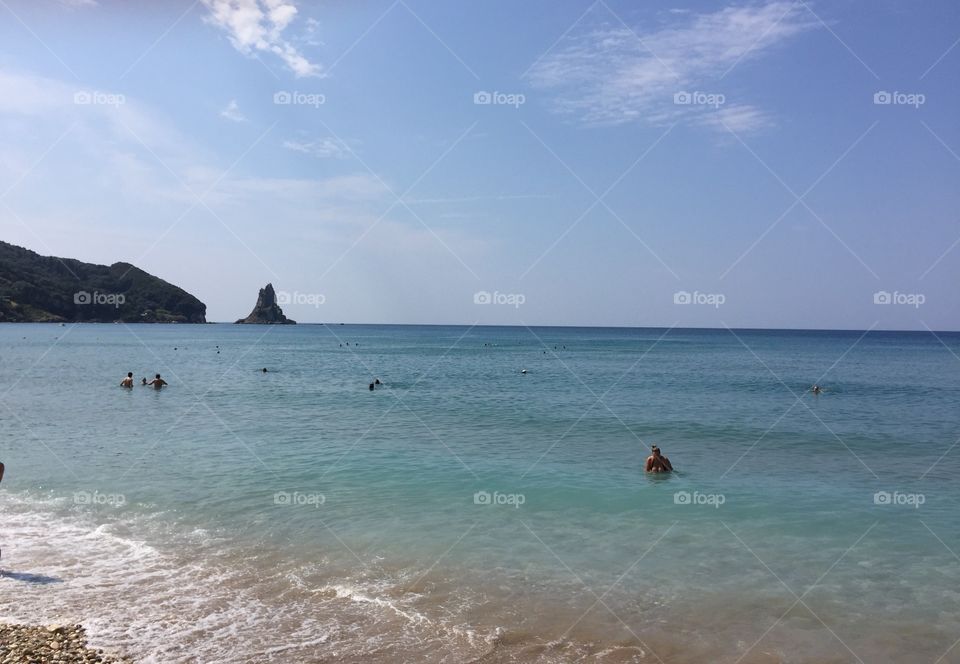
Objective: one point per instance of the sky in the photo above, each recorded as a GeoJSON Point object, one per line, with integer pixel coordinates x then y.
{"type": "Point", "coordinates": [773, 164]}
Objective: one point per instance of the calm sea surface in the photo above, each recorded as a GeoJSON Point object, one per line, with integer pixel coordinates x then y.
{"type": "Point", "coordinates": [464, 511]}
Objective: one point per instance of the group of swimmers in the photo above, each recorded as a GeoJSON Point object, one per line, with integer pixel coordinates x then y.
{"type": "Point", "coordinates": [157, 382]}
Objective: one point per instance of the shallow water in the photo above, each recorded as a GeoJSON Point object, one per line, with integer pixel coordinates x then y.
{"type": "Point", "coordinates": [464, 511]}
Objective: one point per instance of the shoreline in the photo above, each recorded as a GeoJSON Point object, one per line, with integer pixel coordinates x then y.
{"type": "Point", "coordinates": [66, 644]}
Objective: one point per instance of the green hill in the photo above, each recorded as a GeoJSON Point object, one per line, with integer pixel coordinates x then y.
{"type": "Point", "coordinates": [35, 288]}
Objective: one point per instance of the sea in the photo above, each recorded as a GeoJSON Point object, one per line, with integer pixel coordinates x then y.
{"type": "Point", "coordinates": [487, 500]}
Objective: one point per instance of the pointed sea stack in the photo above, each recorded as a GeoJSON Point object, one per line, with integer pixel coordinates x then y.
{"type": "Point", "coordinates": [267, 311]}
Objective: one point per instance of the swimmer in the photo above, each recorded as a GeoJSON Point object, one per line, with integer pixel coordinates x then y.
{"type": "Point", "coordinates": [657, 463]}
{"type": "Point", "coordinates": [128, 381]}
{"type": "Point", "coordinates": [157, 382]}
{"type": "Point", "coordinates": [377, 382]}
{"type": "Point", "coordinates": [816, 389]}
{"type": "Point", "coordinates": [264, 370]}
{"type": "Point", "coordinates": [143, 381]}
{"type": "Point", "coordinates": [371, 387]}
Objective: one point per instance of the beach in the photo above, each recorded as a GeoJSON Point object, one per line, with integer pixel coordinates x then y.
{"type": "Point", "coordinates": [464, 511]}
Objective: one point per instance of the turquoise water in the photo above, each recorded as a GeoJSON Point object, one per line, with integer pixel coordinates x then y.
{"type": "Point", "coordinates": [295, 515]}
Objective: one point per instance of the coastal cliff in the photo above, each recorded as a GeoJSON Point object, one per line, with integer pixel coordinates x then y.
{"type": "Point", "coordinates": [48, 289]}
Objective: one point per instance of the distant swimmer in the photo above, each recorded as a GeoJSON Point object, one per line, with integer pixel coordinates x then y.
{"type": "Point", "coordinates": [157, 382]}
{"type": "Point", "coordinates": [377, 382]}
{"type": "Point", "coordinates": [657, 463]}
{"type": "Point", "coordinates": [264, 370]}
{"type": "Point", "coordinates": [371, 387]}
{"type": "Point", "coordinates": [816, 389]}
{"type": "Point", "coordinates": [143, 381]}
{"type": "Point", "coordinates": [128, 381]}
{"type": "Point", "coordinates": [523, 371]}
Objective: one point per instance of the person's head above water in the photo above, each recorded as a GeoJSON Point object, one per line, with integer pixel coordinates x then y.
{"type": "Point", "coordinates": [655, 450]}
{"type": "Point", "coordinates": [157, 376]}
{"type": "Point", "coordinates": [129, 374]}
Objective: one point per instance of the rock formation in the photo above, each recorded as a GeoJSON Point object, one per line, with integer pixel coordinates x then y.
{"type": "Point", "coordinates": [267, 311]}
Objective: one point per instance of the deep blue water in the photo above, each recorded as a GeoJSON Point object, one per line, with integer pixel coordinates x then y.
{"type": "Point", "coordinates": [336, 522]}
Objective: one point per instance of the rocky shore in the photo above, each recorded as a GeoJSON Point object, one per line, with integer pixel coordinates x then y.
{"type": "Point", "coordinates": [64, 644]}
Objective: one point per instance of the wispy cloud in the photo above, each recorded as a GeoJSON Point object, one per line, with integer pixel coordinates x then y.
{"type": "Point", "coordinates": [323, 147]}
{"type": "Point", "coordinates": [232, 112]}
{"type": "Point", "coordinates": [608, 73]}
{"type": "Point", "coordinates": [258, 26]}
{"type": "Point", "coordinates": [79, 4]}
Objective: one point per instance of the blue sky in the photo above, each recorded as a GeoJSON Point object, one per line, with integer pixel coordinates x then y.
{"type": "Point", "coordinates": [751, 164]}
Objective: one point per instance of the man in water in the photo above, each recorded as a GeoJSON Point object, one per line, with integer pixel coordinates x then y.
{"type": "Point", "coordinates": [128, 381]}
{"type": "Point", "coordinates": [816, 389]}
{"type": "Point", "coordinates": [157, 382]}
{"type": "Point", "coordinates": [657, 463]}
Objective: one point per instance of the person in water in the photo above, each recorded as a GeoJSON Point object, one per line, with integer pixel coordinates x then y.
{"type": "Point", "coordinates": [657, 463]}
{"type": "Point", "coordinates": [128, 381]}
{"type": "Point", "coordinates": [157, 382]}
{"type": "Point", "coordinates": [816, 389]}
{"type": "Point", "coordinates": [143, 381]}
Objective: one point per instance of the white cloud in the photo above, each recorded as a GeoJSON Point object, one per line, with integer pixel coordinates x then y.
{"type": "Point", "coordinates": [609, 74]}
{"type": "Point", "coordinates": [232, 112]}
{"type": "Point", "coordinates": [258, 25]}
{"type": "Point", "coordinates": [324, 147]}
{"type": "Point", "coordinates": [79, 4]}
